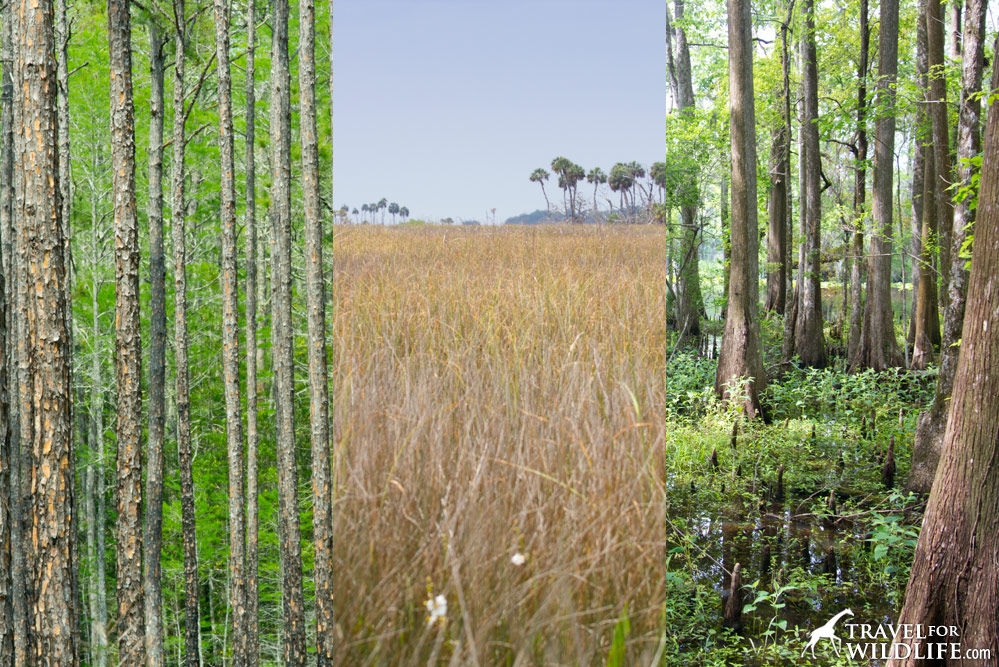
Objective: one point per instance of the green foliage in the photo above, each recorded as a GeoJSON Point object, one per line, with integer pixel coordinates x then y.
{"type": "Point", "coordinates": [616, 655]}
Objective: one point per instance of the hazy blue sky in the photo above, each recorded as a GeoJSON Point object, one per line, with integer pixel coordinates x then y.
{"type": "Point", "coordinates": [446, 106]}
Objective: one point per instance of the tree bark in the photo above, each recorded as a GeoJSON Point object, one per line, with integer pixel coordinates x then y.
{"type": "Point", "coordinates": [777, 223]}
{"type": "Point", "coordinates": [230, 340]}
{"type": "Point", "coordinates": [252, 437]}
{"type": "Point", "coordinates": [128, 344]}
{"type": "Point", "coordinates": [282, 343]}
{"type": "Point", "coordinates": [954, 580]}
{"type": "Point", "coordinates": [932, 423]}
{"type": "Point", "coordinates": [319, 411]}
{"type": "Point", "coordinates": [740, 357]}
{"type": "Point", "coordinates": [48, 440]}
{"type": "Point", "coordinates": [157, 359]}
{"type": "Point", "coordinates": [689, 301]}
{"type": "Point", "coordinates": [859, 196]}
{"type": "Point", "coordinates": [809, 338]}
{"type": "Point", "coordinates": [927, 323]}
{"type": "Point", "coordinates": [95, 503]}
{"type": "Point", "coordinates": [879, 348]}
{"type": "Point", "coordinates": [937, 105]}
{"type": "Point", "coordinates": [8, 374]}
{"type": "Point", "coordinates": [779, 209]}
{"type": "Point", "coordinates": [920, 132]}
{"type": "Point", "coordinates": [178, 209]}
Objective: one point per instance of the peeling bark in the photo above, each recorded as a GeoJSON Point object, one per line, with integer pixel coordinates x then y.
{"type": "Point", "coordinates": [319, 410]}
{"type": "Point", "coordinates": [252, 437]}
{"type": "Point", "coordinates": [282, 343]}
{"type": "Point", "coordinates": [46, 360]}
{"type": "Point", "coordinates": [153, 543]}
{"type": "Point", "coordinates": [230, 340]}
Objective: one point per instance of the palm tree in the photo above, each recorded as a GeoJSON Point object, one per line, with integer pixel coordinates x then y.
{"type": "Point", "coordinates": [364, 207]}
{"type": "Point", "coordinates": [381, 206]}
{"type": "Point", "coordinates": [404, 212]}
{"type": "Point", "coordinates": [355, 212]}
{"type": "Point", "coordinates": [597, 177]}
{"type": "Point", "coordinates": [637, 172]}
{"type": "Point", "coordinates": [569, 175]}
{"type": "Point", "coordinates": [620, 180]}
{"type": "Point", "coordinates": [393, 208]}
{"type": "Point", "coordinates": [539, 176]}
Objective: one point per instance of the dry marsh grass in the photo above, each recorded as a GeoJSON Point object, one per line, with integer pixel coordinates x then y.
{"type": "Point", "coordinates": [499, 391]}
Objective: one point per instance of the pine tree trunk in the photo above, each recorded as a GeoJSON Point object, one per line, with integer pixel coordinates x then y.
{"type": "Point", "coordinates": [8, 386]}
{"type": "Point", "coordinates": [128, 344]}
{"type": "Point", "coordinates": [932, 423]}
{"type": "Point", "coordinates": [178, 209]}
{"type": "Point", "coordinates": [48, 440]}
{"type": "Point", "coordinates": [6, 584]}
{"type": "Point", "coordinates": [954, 580]}
{"type": "Point", "coordinates": [879, 348]}
{"type": "Point", "coordinates": [809, 338]}
{"type": "Point", "coordinates": [95, 504]}
{"type": "Point", "coordinates": [319, 411]}
{"type": "Point", "coordinates": [230, 340]}
{"type": "Point", "coordinates": [282, 343]}
{"type": "Point", "coordinates": [20, 406]}
{"type": "Point", "coordinates": [157, 359]}
{"type": "Point", "coordinates": [740, 356]}
{"type": "Point", "coordinates": [252, 437]}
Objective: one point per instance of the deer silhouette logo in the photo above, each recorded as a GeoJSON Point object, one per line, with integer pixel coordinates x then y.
{"type": "Point", "coordinates": [827, 631]}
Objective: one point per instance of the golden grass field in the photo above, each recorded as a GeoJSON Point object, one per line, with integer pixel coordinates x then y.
{"type": "Point", "coordinates": [500, 391]}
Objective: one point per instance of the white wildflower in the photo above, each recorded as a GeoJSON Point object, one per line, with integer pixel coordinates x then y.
{"type": "Point", "coordinates": [518, 559]}
{"type": "Point", "coordinates": [437, 608]}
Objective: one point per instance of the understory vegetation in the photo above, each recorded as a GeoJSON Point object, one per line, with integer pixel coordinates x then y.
{"type": "Point", "coordinates": [497, 392]}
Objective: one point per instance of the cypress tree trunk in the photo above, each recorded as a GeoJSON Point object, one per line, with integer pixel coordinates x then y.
{"type": "Point", "coordinates": [879, 348]}
{"type": "Point", "coordinates": [937, 105]}
{"type": "Point", "coordinates": [157, 359]}
{"type": "Point", "coordinates": [252, 438]}
{"type": "Point", "coordinates": [192, 626]}
{"type": "Point", "coordinates": [777, 223]}
{"type": "Point", "coordinates": [932, 423]}
{"type": "Point", "coordinates": [954, 580]}
{"type": "Point", "coordinates": [689, 301]}
{"type": "Point", "coordinates": [128, 344]}
{"type": "Point", "coordinates": [809, 338]}
{"type": "Point", "coordinates": [920, 135]}
{"type": "Point", "coordinates": [859, 197]}
{"type": "Point", "coordinates": [926, 336]}
{"type": "Point", "coordinates": [47, 359]}
{"type": "Point", "coordinates": [740, 355]}
{"type": "Point", "coordinates": [230, 340]}
{"type": "Point", "coordinates": [282, 343]}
